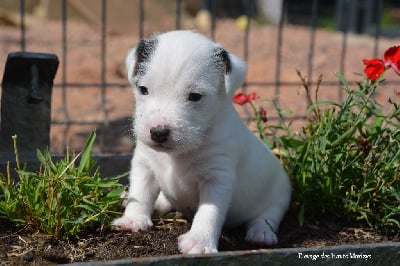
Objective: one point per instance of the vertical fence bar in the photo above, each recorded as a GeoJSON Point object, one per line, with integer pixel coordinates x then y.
{"type": "Point", "coordinates": [64, 57]}
{"type": "Point", "coordinates": [178, 14]}
{"type": "Point", "coordinates": [279, 57]}
{"type": "Point", "coordinates": [314, 16]}
{"type": "Point", "coordinates": [213, 9]}
{"type": "Point", "coordinates": [103, 83]}
{"type": "Point", "coordinates": [342, 60]}
{"type": "Point", "coordinates": [64, 70]}
{"type": "Point", "coordinates": [249, 5]}
{"type": "Point", "coordinates": [342, 23]}
{"type": "Point", "coordinates": [103, 59]}
{"type": "Point", "coordinates": [141, 19]}
{"type": "Point", "coordinates": [377, 33]}
{"type": "Point", "coordinates": [249, 14]}
{"type": "Point", "coordinates": [22, 15]}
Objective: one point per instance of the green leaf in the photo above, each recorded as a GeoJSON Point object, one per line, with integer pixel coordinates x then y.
{"type": "Point", "coordinates": [40, 156]}
{"type": "Point", "coordinates": [343, 80]}
{"type": "Point", "coordinates": [292, 142]}
{"type": "Point", "coordinates": [86, 160]}
{"type": "Point", "coordinates": [300, 215]}
{"type": "Point", "coordinates": [86, 207]}
{"type": "Point", "coordinates": [320, 103]}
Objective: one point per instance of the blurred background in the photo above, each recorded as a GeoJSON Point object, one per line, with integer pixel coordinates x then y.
{"type": "Point", "coordinates": [275, 37]}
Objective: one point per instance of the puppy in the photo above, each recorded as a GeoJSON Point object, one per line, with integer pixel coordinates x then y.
{"type": "Point", "coordinates": [193, 153]}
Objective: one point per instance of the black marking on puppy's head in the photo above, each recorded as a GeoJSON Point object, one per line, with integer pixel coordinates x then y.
{"type": "Point", "coordinates": [144, 51]}
{"type": "Point", "coordinates": [221, 58]}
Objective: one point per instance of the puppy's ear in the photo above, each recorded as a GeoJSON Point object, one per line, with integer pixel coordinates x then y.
{"type": "Point", "coordinates": [130, 63]}
{"type": "Point", "coordinates": [234, 69]}
{"type": "Point", "coordinates": [138, 58]}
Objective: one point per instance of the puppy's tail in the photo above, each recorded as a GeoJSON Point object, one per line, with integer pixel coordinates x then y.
{"type": "Point", "coordinates": [235, 74]}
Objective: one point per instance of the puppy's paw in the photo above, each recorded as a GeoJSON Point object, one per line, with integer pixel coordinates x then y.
{"type": "Point", "coordinates": [132, 224]}
{"type": "Point", "coordinates": [261, 234]}
{"type": "Point", "coordinates": [190, 243]}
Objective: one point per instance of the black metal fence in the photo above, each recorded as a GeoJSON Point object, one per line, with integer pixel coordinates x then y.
{"type": "Point", "coordinates": [346, 16]}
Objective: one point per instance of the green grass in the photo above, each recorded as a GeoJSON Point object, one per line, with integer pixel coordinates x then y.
{"type": "Point", "coordinates": [63, 197]}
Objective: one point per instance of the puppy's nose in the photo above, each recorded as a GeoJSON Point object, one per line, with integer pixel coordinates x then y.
{"type": "Point", "coordinates": [159, 133]}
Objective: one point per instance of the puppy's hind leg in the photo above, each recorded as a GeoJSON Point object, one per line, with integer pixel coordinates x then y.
{"type": "Point", "coordinates": [262, 229]}
{"type": "Point", "coordinates": [261, 232]}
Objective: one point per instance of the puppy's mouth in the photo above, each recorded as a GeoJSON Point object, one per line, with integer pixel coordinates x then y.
{"type": "Point", "coordinates": [160, 146]}
{"type": "Point", "coordinates": [169, 147]}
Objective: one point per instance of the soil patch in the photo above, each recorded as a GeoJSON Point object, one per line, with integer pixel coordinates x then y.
{"type": "Point", "coordinates": [19, 248]}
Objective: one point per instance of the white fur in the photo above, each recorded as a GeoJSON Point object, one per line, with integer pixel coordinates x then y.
{"type": "Point", "coordinates": [211, 167]}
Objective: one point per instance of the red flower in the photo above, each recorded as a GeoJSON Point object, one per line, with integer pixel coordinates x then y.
{"type": "Point", "coordinates": [263, 115]}
{"type": "Point", "coordinates": [392, 58]}
{"type": "Point", "coordinates": [375, 67]}
{"type": "Point", "coordinates": [242, 98]}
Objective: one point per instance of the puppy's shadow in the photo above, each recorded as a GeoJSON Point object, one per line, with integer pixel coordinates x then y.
{"type": "Point", "coordinates": [115, 138]}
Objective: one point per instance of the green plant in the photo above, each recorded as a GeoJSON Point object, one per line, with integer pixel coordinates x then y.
{"type": "Point", "coordinates": [346, 160]}
{"type": "Point", "coordinates": [63, 197]}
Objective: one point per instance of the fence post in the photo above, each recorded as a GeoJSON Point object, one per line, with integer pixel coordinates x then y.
{"type": "Point", "coordinates": [26, 103]}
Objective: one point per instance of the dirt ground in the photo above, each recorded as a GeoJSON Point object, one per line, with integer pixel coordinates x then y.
{"type": "Point", "coordinates": [87, 107]}
{"type": "Point", "coordinates": [84, 105]}
{"type": "Point", "coordinates": [19, 248]}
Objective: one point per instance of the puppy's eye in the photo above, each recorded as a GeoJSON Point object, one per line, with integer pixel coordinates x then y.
{"type": "Point", "coordinates": [194, 97]}
{"type": "Point", "coordinates": [143, 90]}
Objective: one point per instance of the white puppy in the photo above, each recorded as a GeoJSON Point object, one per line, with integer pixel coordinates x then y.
{"type": "Point", "coordinates": [193, 152]}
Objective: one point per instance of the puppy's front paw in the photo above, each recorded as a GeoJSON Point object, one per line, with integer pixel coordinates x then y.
{"type": "Point", "coordinates": [132, 224]}
{"type": "Point", "coordinates": [261, 234]}
{"type": "Point", "coordinates": [190, 243]}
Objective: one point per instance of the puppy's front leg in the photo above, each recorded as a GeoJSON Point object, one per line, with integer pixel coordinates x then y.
{"type": "Point", "coordinates": [215, 196]}
{"type": "Point", "coordinates": [143, 191]}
